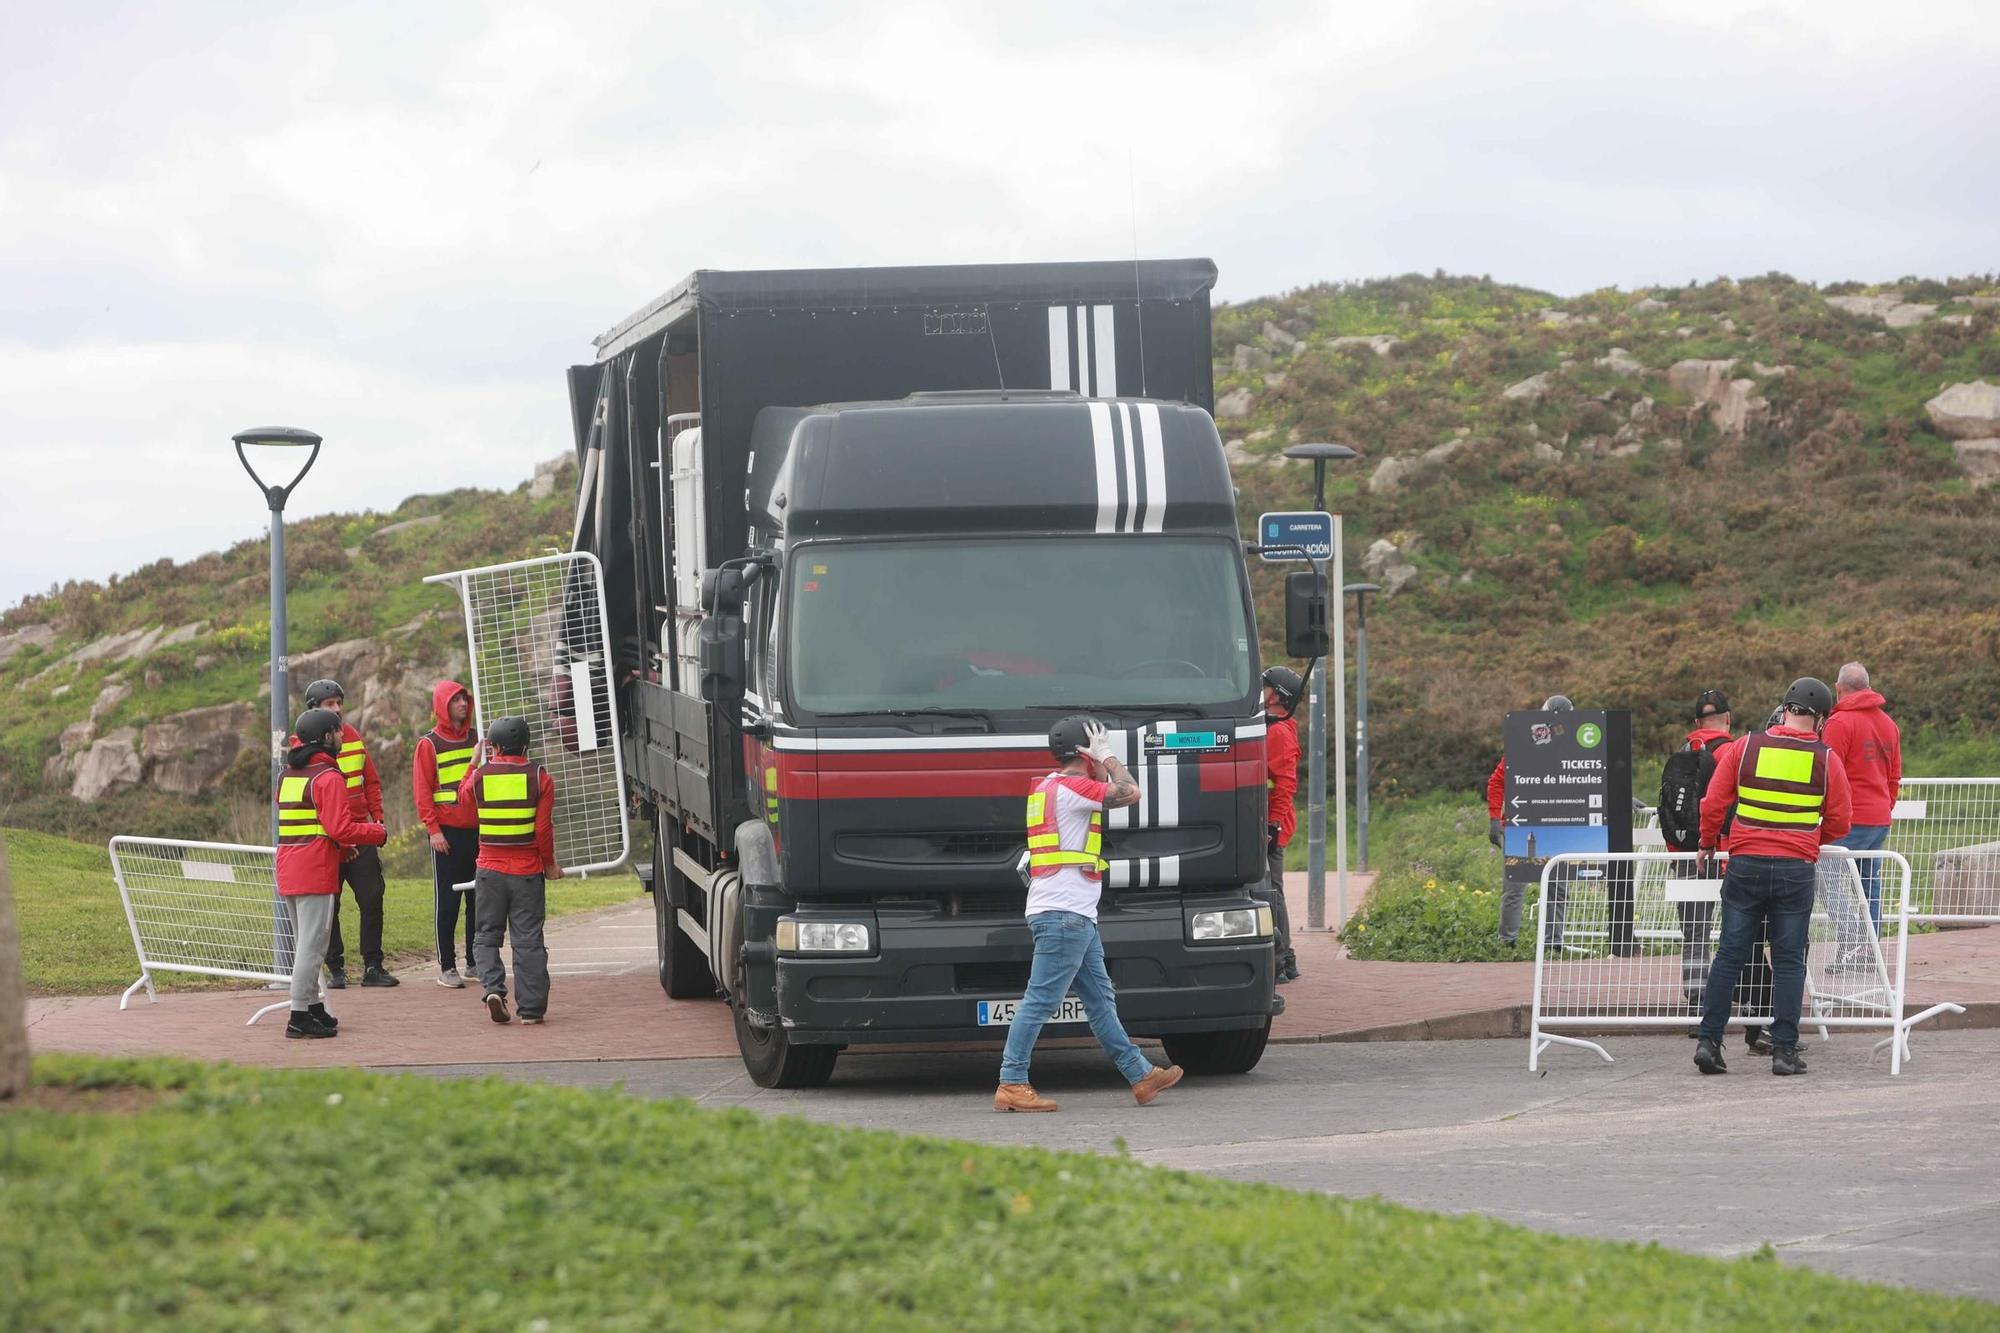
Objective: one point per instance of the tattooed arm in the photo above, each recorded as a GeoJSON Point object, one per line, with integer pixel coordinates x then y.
{"type": "Point", "coordinates": [1124, 788]}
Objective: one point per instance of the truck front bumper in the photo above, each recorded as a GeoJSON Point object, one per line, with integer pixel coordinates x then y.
{"type": "Point", "coordinates": [930, 970]}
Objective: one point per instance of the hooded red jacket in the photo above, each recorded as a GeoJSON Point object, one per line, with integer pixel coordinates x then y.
{"type": "Point", "coordinates": [314, 867]}
{"type": "Point", "coordinates": [424, 767]}
{"type": "Point", "coordinates": [1281, 761]}
{"type": "Point", "coordinates": [366, 799]}
{"type": "Point", "coordinates": [1836, 816]}
{"type": "Point", "coordinates": [1496, 789]}
{"type": "Point", "coordinates": [1871, 747]}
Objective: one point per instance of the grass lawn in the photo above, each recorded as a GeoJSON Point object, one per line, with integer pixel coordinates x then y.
{"type": "Point", "coordinates": [239, 1198]}
{"type": "Point", "coordinates": [74, 940]}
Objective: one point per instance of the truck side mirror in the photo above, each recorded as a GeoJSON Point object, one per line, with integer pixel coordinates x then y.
{"type": "Point", "coordinates": [1306, 634]}
{"type": "Point", "coordinates": [722, 666]}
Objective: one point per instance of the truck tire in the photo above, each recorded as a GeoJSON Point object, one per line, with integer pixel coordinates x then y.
{"type": "Point", "coordinates": [1234, 1052]}
{"type": "Point", "coordinates": [774, 1061]}
{"type": "Point", "coordinates": [684, 973]}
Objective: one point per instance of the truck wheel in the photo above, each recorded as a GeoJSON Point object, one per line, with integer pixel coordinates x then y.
{"type": "Point", "coordinates": [684, 973]}
{"type": "Point", "coordinates": [772, 1058]}
{"type": "Point", "coordinates": [1235, 1052]}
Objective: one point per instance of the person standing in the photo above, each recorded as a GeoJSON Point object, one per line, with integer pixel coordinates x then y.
{"type": "Point", "coordinates": [362, 873]}
{"type": "Point", "coordinates": [513, 799]}
{"type": "Point", "coordinates": [1683, 781]}
{"type": "Point", "coordinates": [1282, 690]}
{"type": "Point", "coordinates": [1871, 747]}
{"type": "Point", "coordinates": [1787, 795]}
{"type": "Point", "coordinates": [1065, 879]}
{"type": "Point", "coordinates": [316, 830]}
{"type": "Point", "coordinates": [442, 758]}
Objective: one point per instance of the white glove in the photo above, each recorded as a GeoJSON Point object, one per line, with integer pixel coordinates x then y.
{"type": "Point", "coordinates": [1097, 742]}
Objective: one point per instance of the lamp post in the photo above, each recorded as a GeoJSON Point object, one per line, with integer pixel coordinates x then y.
{"type": "Point", "coordinates": [291, 438]}
{"type": "Point", "coordinates": [1319, 455]}
{"type": "Point", "coordinates": [1360, 592]}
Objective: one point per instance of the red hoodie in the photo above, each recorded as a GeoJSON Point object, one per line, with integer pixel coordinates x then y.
{"type": "Point", "coordinates": [314, 867]}
{"type": "Point", "coordinates": [423, 763]}
{"type": "Point", "coordinates": [1869, 745]}
{"type": "Point", "coordinates": [517, 860]}
{"type": "Point", "coordinates": [1496, 788]}
{"type": "Point", "coordinates": [1836, 816]}
{"type": "Point", "coordinates": [1281, 759]}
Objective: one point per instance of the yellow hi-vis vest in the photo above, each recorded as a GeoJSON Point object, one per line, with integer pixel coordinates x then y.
{"type": "Point", "coordinates": [507, 797]}
{"type": "Point", "coordinates": [353, 758]}
{"type": "Point", "coordinates": [1780, 783]}
{"type": "Point", "coordinates": [454, 758]}
{"type": "Point", "coordinates": [298, 817]}
{"type": "Point", "coordinates": [1046, 854]}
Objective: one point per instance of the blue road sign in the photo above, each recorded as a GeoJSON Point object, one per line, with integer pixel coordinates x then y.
{"type": "Point", "coordinates": [1314, 531]}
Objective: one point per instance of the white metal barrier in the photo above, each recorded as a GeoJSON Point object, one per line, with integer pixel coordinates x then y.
{"type": "Point", "coordinates": [537, 632]}
{"type": "Point", "coordinates": [1948, 829]}
{"type": "Point", "coordinates": [1625, 940]}
{"type": "Point", "coordinates": [209, 908]}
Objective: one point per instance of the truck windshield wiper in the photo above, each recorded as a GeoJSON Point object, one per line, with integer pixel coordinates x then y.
{"type": "Point", "coordinates": [972, 714]}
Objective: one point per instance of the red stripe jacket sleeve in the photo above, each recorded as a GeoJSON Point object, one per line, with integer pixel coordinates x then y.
{"type": "Point", "coordinates": [1837, 816]}
{"type": "Point", "coordinates": [1496, 788]}
{"type": "Point", "coordinates": [1281, 759]}
{"type": "Point", "coordinates": [1720, 797]}
{"type": "Point", "coordinates": [545, 822]}
{"type": "Point", "coordinates": [336, 816]}
{"type": "Point", "coordinates": [371, 787]}
{"type": "Point", "coordinates": [423, 783]}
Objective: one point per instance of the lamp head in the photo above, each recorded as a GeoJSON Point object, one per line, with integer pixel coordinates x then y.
{"type": "Point", "coordinates": [276, 437]}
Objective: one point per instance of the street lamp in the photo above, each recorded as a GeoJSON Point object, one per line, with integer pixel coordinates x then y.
{"type": "Point", "coordinates": [1319, 455]}
{"type": "Point", "coordinates": [292, 439]}
{"type": "Point", "coordinates": [1361, 591]}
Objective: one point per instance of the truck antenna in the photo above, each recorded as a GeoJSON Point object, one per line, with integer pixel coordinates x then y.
{"type": "Point", "coordinates": [1138, 302]}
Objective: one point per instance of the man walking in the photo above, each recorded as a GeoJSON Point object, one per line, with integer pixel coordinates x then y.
{"type": "Point", "coordinates": [1683, 782]}
{"type": "Point", "coordinates": [316, 829]}
{"type": "Point", "coordinates": [443, 757]}
{"type": "Point", "coordinates": [514, 802]}
{"type": "Point", "coordinates": [362, 873]}
{"type": "Point", "coordinates": [1787, 795]}
{"type": "Point", "coordinates": [1871, 748]}
{"type": "Point", "coordinates": [1065, 835]}
{"type": "Point", "coordinates": [1282, 690]}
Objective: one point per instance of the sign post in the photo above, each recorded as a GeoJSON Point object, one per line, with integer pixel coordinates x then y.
{"type": "Point", "coordinates": [1569, 789]}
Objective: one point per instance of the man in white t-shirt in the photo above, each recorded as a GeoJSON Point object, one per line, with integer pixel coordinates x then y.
{"type": "Point", "coordinates": [1066, 875]}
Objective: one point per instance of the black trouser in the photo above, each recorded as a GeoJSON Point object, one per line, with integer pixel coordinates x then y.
{"type": "Point", "coordinates": [363, 874]}
{"type": "Point", "coordinates": [456, 866]}
{"type": "Point", "coordinates": [1274, 894]}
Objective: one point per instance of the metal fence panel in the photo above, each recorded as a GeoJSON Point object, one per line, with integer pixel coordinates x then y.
{"type": "Point", "coordinates": [536, 631]}
{"type": "Point", "coordinates": [209, 908]}
{"type": "Point", "coordinates": [1948, 829]}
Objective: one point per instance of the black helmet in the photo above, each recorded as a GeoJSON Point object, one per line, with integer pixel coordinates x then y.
{"type": "Point", "coordinates": [320, 691]}
{"type": "Point", "coordinates": [1287, 682]}
{"type": "Point", "coordinates": [508, 735]}
{"type": "Point", "coordinates": [316, 732]}
{"type": "Point", "coordinates": [1067, 737]}
{"type": "Point", "coordinates": [1809, 694]}
{"type": "Point", "coordinates": [1558, 703]}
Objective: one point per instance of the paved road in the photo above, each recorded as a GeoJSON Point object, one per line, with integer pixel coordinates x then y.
{"type": "Point", "coordinates": [1847, 1170]}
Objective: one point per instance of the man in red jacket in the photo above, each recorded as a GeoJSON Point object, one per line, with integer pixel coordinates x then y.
{"type": "Point", "coordinates": [442, 758]}
{"type": "Point", "coordinates": [1282, 688]}
{"type": "Point", "coordinates": [316, 830]}
{"type": "Point", "coordinates": [1871, 747]}
{"type": "Point", "coordinates": [362, 872]}
{"type": "Point", "coordinates": [1786, 795]}
{"type": "Point", "coordinates": [514, 801]}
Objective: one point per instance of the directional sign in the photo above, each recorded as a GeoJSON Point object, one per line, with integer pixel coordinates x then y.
{"type": "Point", "coordinates": [1306, 528]}
{"type": "Point", "coordinates": [1569, 786]}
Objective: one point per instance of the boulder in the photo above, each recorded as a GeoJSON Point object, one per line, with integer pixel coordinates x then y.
{"type": "Point", "coordinates": [1390, 473]}
{"type": "Point", "coordinates": [1736, 407]}
{"type": "Point", "coordinates": [1967, 411]}
{"type": "Point", "coordinates": [1976, 300]}
{"type": "Point", "coordinates": [1379, 343]}
{"type": "Point", "coordinates": [114, 693]}
{"type": "Point", "coordinates": [1385, 563]}
{"type": "Point", "coordinates": [1233, 405]}
{"type": "Point", "coordinates": [1891, 309]}
{"type": "Point", "coordinates": [1647, 305]}
{"type": "Point", "coordinates": [1247, 357]}
{"type": "Point", "coordinates": [111, 761]}
{"type": "Point", "coordinates": [1443, 453]}
{"type": "Point", "coordinates": [1684, 331]}
{"type": "Point", "coordinates": [1641, 410]}
{"type": "Point", "coordinates": [14, 642]}
{"type": "Point", "coordinates": [1239, 457]}
{"type": "Point", "coordinates": [1275, 380]}
{"type": "Point", "coordinates": [1278, 337]}
{"type": "Point", "coordinates": [1768, 372]}
{"type": "Point", "coordinates": [1620, 362]}
{"type": "Point", "coordinates": [1558, 318]}
{"type": "Point", "coordinates": [1529, 389]}
{"type": "Point", "coordinates": [1957, 321]}
{"type": "Point", "coordinates": [1979, 460]}
{"type": "Point", "coordinates": [1731, 403]}
{"type": "Point", "coordinates": [543, 484]}
{"type": "Point", "coordinates": [1546, 452]}
{"type": "Point", "coordinates": [188, 752]}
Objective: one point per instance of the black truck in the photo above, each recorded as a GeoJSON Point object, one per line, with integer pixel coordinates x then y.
{"type": "Point", "coordinates": [866, 534]}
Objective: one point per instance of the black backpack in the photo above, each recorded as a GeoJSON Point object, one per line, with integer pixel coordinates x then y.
{"type": "Point", "coordinates": [1682, 783]}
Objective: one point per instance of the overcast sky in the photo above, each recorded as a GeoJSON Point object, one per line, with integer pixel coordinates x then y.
{"type": "Point", "coordinates": [397, 224]}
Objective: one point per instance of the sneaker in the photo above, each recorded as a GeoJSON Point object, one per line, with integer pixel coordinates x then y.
{"type": "Point", "coordinates": [376, 976]}
{"type": "Point", "coordinates": [336, 977]}
{"type": "Point", "coordinates": [532, 1020]}
{"type": "Point", "coordinates": [496, 1005]}
{"type": "Point", "coordinates": [1756, 1042]}
{"type": "Point", "coordinates": [1155, 1083]}
{"type": "Point", "coordinates": [1020, 1097]}
{"type": "Point", "coordinates": [319, 1011]}
{"type": "Point", "coordinates": [303, 1024]}
{"type": "Point", "coordinates": [1787, 1060]}
{"type": "Point", "coordinates": [1282, 977]}
{"type": "Point", "coordinates": [1708, 1057]}
{"type": "Point", "coordinates": [1292, 971]}
{"type": "Point", "coordinates": [450, 979]}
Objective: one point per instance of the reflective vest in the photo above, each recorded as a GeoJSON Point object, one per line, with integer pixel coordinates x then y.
{"type": "Point", "coordinates": [353, 758]}
{"type": "Point", "coordinates": [1780, 783]}
{"type": "Point", "coordinates": [506, 797]}
{"type": "Point", "coordinates": [1046, 854]}
{"type": "Point", "coordinates": [298, 817]}
{"type": "Point", "coordinates": [453, 759]}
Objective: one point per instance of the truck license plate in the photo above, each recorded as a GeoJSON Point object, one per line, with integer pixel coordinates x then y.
{"type": "Point", "coordinates": [1000, 1013]}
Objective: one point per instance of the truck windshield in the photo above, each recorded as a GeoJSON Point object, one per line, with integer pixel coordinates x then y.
{"type": "Point", "coordinates": [1019, 623]}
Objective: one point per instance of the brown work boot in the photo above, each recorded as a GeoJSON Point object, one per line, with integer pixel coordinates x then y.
{"type": "Point", "coordinates": [1020, 1097]}
{"type": "Point", "coordinates": [1155, 1083]}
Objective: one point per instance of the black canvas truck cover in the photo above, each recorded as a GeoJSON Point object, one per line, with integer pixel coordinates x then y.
{"type": "Point", "coordinates": [726, 345]}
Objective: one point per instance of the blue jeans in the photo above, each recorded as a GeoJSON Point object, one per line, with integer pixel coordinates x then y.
{"type": "Point", "coordinates": [1069, 952]}
{"type": "Point", "coordinates": [1762, 890]}
{"type": "Point", "coordinates": [1868, 838]}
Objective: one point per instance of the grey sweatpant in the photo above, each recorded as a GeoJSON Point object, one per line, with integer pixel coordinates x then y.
{"type": "Point", "coordinates": [514, 906]}
{"type": "Point", "coordinates": [312, 917]}
{"type": "Point", "coordinates": [1274, 894]}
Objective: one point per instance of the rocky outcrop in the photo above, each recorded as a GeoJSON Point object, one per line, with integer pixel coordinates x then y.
{"type": "Point", "coordinates": [1545, 452]}
{"type": "Point", "coordinates": [547, 472]}
{"type": "Point", "coordinates": [126, 646]}
{"type": "Point", "coordinates": [1891, 309]}
{"type": "Point", "coordinates": [1279, 338]}
{"type": "Point", "coordinates": [1732, 403]}
{"type": "Point", "coordinates": [1234, 405]}
{"type": "Point", "coordinates": [1979, 460]}
{"type": "Point", "coordinates": [1648, 305]}
{"type": "Point", "coordinates": [1529, 389]}
{"type": "Point", "coordinates": [188, 752]}
{"type": "Point", "coordinates": [111, 761]}
{"type": "Point", "coordinates": [1389, 565]}
{"type": "Point", "coordinates": [1966, 411]}
{"type": "Point", "coordinates": [1390, 474]}
{"type": "Point", "coordinates": [16, 641]}
{"type": "Point", "coordinates": [1246, 357]}
{"type": "Point", "coordinates": [408, 525]}
{"type": "Point", "coordinates": [1379, 343]}
{"type": "Point", "coordinates": [1620, 362]}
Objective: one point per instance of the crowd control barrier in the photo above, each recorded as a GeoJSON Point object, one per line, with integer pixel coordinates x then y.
{"type": "Point", "coordinates": [1623, 941]}
{"type": "Point", "coordinates": [209, 908]}
{"type": "Point", "coordinates": [1948, 829]}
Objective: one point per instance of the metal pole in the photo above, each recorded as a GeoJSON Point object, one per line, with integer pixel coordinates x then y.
{"type": "Point", "coordinates": [281, 702]}
{"type": "Point", "coordinates": [1361, 727]}
{"type": "Point", "coordinates": [1316, 754]}
{"type": "Point", "coordinates": [1338, 677]}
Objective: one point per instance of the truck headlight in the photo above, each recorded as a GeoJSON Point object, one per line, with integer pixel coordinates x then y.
{"type": "Point", "coordinates": [1237, 923]}
{"type": "Point", "coordinates": [796, 936]}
